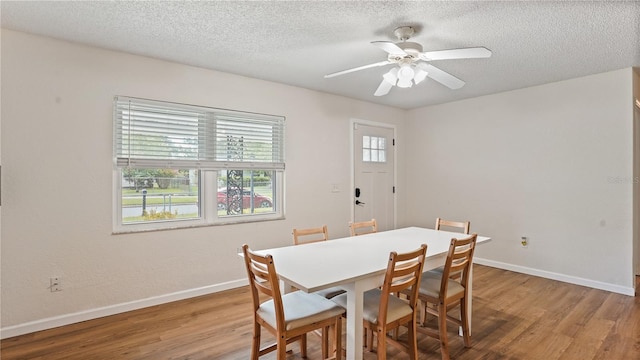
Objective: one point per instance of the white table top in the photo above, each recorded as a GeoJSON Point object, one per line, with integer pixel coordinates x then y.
{"type": "Point", "coordinates": [316, 266]}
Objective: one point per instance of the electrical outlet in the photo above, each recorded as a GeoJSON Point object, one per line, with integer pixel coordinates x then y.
{"type": "Point", "coordinates": [55, 284]}
{"type": "Point", "coordinates": [524, 241]}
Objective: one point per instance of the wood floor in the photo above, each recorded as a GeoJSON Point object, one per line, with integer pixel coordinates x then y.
{"type": "Point", "coordinates": [515, 316]}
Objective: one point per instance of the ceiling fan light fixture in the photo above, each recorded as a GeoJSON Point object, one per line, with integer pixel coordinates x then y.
{"type": "Point", "coordinates": [404, 83]}
{"type": "Point", "coordinates": [391, 76]}
{"type": "Point", "coordinates": [420, 76]}
{"type": "Point", "coordinates": [405, 73]}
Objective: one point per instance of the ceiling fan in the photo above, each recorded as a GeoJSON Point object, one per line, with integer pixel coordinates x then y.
{"type": "Point", "coordinates": [413, 64]}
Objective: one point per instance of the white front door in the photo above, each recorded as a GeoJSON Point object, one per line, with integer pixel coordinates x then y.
{"type": "Point", "coordinates": [373, 159]}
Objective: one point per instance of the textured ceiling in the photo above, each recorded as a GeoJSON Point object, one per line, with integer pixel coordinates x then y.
{"type": "Point", "coordinates": [297, 42]}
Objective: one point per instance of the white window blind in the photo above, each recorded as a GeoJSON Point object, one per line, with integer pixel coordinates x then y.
{"type": "Point", "coordinates": [156, 134]}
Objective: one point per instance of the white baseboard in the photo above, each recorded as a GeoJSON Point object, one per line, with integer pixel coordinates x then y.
{"type": "Point", "coordinates": [67, 319]}
{"type": "Point", "coordinates": [91, 314]}
{"type": "Point", "coordinates": [560, 277]}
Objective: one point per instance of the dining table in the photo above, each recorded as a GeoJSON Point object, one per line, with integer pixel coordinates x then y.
{"type": "Point", "coordinates": [357, 264]}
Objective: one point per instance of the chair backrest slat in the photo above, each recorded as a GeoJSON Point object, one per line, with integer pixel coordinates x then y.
{"type": "Point", "coordinates": [459, 260]}
{"type": "Point", "coordinates": [363, 227]}
{"type": "Point", "coordinates": [310, 235]}
{"type": "Point", "coordinates": [403, 272]}
{"type": "Point", "coordinates": [263, 279]}
{"type": "Point", "coordinates": [464, 226]}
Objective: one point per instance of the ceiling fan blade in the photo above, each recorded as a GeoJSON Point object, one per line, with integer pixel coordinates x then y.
{"type": "Point", "coordinates": [442, 77]}
{"type": "Point", "coordinates": [466, 53]}
{"type": "Point", "coordinates": [383, 88]}
{"type": "Point", "coordinates": [381, 63]}
{"type": "Point", "coordinates": [389, 47]}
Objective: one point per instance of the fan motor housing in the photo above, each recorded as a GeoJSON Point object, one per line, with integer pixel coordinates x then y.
{"type": "Point", "coordinates": [412, 52]}
{"type": "Point", "coordinates": [410, 47]}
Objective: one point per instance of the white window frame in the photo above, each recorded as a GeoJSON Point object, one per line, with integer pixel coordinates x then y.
{"type": "Point", "coordinates": [209, 163]}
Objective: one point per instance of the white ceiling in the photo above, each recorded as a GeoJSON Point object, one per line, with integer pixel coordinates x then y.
{"type": "Point", "coordinates": [297, 42]}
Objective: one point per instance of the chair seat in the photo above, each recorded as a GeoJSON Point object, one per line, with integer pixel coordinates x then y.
{"type": "Point", "coordinates": [300, 309]}
{"type": "Point", "coordinates": [397, 307]}
{"type": "Point", "coordinates": [431, 282]}
{"type": "Point", "coordinates": [330, 292]}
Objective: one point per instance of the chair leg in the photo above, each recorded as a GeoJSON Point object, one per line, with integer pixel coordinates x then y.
{"type": "Point", "coordinates": [369, 339]}
{"type": "Point", "coordinates": [325, 342]}
{"type": "Point", "coordinates": [338, 338]}
{"type": "Point", "coordinates": [303, 345]}
{"type": "Point", "coordinates": [381, 334]}
{"type": "Point", "coordinates": [442, 326]}
{"type": "Point", "coordinates": [412, 339]}
{"type": "Point", "coordinates": [282, 348]}
{"type": "Point", "coordinates": [424, 313]}
{"type": "Point", "coordinates": [464, 317]}
{"type": "Point", "coordinates": [255, 346]}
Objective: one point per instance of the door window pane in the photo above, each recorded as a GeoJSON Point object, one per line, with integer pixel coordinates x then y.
{"type": "Point", "coordinates": [366, 155]}
{"type": "Point", "coordinates": [374, 149]}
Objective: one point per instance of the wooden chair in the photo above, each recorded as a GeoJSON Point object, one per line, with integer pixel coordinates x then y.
{"type": "Point", "coordinates": [439, 289]}
{"type": "Point", "coordinates": [305, 236]}
{"type": "Point", "coordinates": [288, 317]}
{"type": "Point", "coordinates": [462, 225]}
{"type": "Point", "coordinates": [363, 227]}
{"type": "Point", "coordinates": [383, 311]}
{"type": "Point", "coordinates": [311, 235]}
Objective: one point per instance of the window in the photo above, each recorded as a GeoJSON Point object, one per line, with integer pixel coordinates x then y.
{"type": "Point", "coordinates": [374, 149]}
{"type": "Point", "coordinates": [179, 165]}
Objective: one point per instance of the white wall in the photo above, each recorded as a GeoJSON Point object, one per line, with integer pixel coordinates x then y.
{"type": "Point", "coordinates": [57, 190]}
{"type": "Point", "coordinates": [552, 163]}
